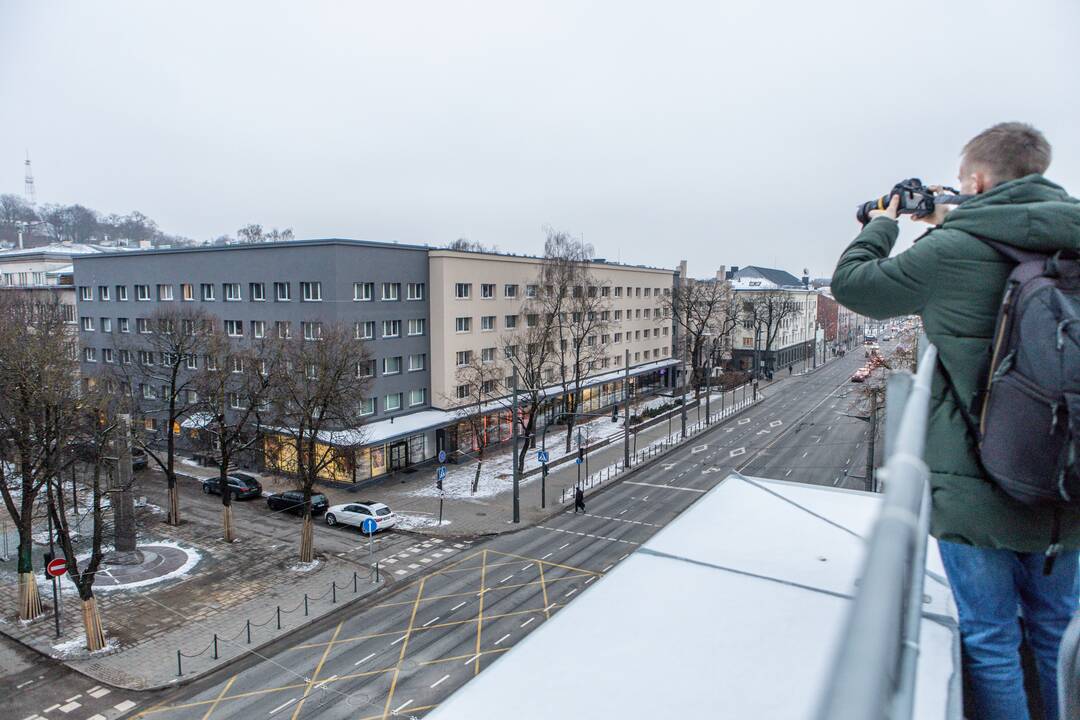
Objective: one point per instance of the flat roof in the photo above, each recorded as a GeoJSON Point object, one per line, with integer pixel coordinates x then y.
{"type": "Point", "coordinates": [733, 610]}
{"type": "Point", "coordinates": [269, 246]}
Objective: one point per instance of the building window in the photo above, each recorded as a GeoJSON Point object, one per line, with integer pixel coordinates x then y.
{"type": "Point", "coordinates": [391, 291]}
{"type": "Point", "coordinates": [187, 292]}
{"type": "Point", "coordinates": [510, 351]}
{"type": "Point", "coordinates": [142, 292]}
{"type": "Point", "coordinates": [530, 291]}
{"type": "Point", "coordinates": [417, 362]}
{"type": "Point", "coordinates": [281, 292]}
{"type": "Point", "coordinates": [206, 292]}
{"type": "Point", "coordinates": [107, 355]}
{"type": "Point", "coordinates": [391, 365]}
{"type": "Point", "coordinates": [234, 401]}
{"type": "Point", "coordinates": [463, 324]}
{"type": "Point", "coordinates": [417, 397]}
{"type": "Point", "coordinates": [365, 330]}
{"type": "Point", "coordinates": [416, 326]}
{"type": "Point", "coordinates": [463, 391]}
{"type": "Point", "coordinates": [148, 392]}
{"type": "Point", "coordinates": [618, 337]}
{"type": "Point", "coordinates": [90, 354]}
{"type": "Point", "coordinates": [646, 333]}
{"type": "Point", "coordinates": [191, 362]}
{"type": "Point", "coordinates": [106, 324]}
{"type": "Point", "coordinates": [121, 293]}
{"type": "Point", "coordinates": [311, 291]}
{"type": "Point", "coordinates": [69, 314]}
{"type": "Point", "coordinates": [646, 310]}
{"type": "Point", "coordinates": [84, 293]}
{"type": "Point", "coordinates": [234, 328]}
{"type": "Point", "coordinates": [142, 325]}
{"type": "Point", "coordinates": [392, 402]}
{"type": "Point", "coordinates": [367, 406]}
{"type": "Point", "coordinates": [463, 291]}
{"type": "Point", "coordinates": [284, 329]}
{"type": "Point", "coordinates": [122, 325]}
{"type": "Point", "coordinates": [487, 355]}
{"type": "Point", "coordinates": [88, 324]}
{"type": "Point", "coordinates": [415, 291]}
{"type": "Point", "coordinates": [258, 328]}
{"type": "Point", "coordinates": [103, 293]}
{"type": "Point", "coordinates": [236, 364]}
{"type": "Point", "coordinates": [311, 330]}
{"type": "Point", "coordinates": [391, 328]}
{"type": "Point", "coordinates": [146, 357]}
{"type": "Point", "coordinates": [487, 291]}
{"type": "Point", "coordinates": [363, 291]}
{"type": "Point", "coordinates": [164, 293]}
{"type": "Point", "coordinates": [532, 320]}
{"type": "Point", "coordinates": [464, 357]}
{"type": "Point", "coordinates": [488, 387]}
{"type": "Point", "coordinates": [510, 290]}
{"type": "Point", "coordinates": [365, 369]}
{"type": "Point", "coordinates": [257, 291]}
{"type": "Point", "coordinates": [510, 322]}
{"type": "Point", "coordinates": [487, 323]}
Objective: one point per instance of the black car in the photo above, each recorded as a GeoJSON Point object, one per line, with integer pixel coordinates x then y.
{"type": "Point", "coordinates": [293, 501]}
{"type": "Point", "coordinates": [138, 459]}
{"type": "Point", "coordinates": [241, 485]}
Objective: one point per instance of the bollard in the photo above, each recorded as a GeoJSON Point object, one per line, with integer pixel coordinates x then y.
{"type": "Point", "coordinates": [278, 617]}
{"type": "Point", "coordinates": [305, 604]}
{"type": "Point", "coordinates": [179, 668]}
{"type": "Point", "coordinates": [376, 571]}
{"type": "Point", "coordinates": [249, 631]}
{"type": "Point", "coordinates": [215, 646]}
{"type": "Point", "coordinates": [354, 582]}
{"type": "Point", "coordinates": [333, 592]}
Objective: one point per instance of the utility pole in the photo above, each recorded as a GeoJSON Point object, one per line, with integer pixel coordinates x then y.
{"type": "Point", "coordinates": [514, 425]}
{"type": "Point", "coordinates": [52, 555]}
{"type": "Point", "coordinates": [685, 384]}
{"type": "Point", "coordinates": [626, 412]}
{"type": "Point", "coordinates": [870, 445]}
{"type": "Point", "coordinates": [123, 500]}
{"type": "Point", "coordinates": [708, 390]}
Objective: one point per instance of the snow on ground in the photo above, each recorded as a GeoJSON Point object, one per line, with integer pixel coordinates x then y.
{"type": "Point", "coordinates": [305, 567]}
{"type": "Point", "coordinates": [75, 648]}
{"type": "Point", "coordinates": [193, 558]}
{"type": "Point", "coordinates": [411, 521]}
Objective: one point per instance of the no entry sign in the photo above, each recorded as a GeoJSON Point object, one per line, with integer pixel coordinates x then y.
{"type": "Point", "coordinates": [56, 567]}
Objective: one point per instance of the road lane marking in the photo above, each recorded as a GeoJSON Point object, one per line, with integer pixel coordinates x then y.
{"type": "Point", "coordinates": [806, 453]}
{"type": "Point", "coordinates": [568, 594]}
{"type": "Point", "coordinates": [562, 546]}
{"type": "Point", "coordinates": [502, 638]}
{"type": "Point", "coordinates": [330, 679]}
{"type": "Point", "coordinates": [430, 621]}
{"type": "Point", "coordinates": [439, 681]}
{"type": "Point", "coordinates": [547, 556]}
{"type": "Point", "coordinates": [737, 452]}
{"type": "Point", "coordinates": [548, 608]}
{"type": "Point", "coordinates": [787, 473]}
{"type": "Point", "coordinates": [506, 578]}
{"type": "Point", "coordinates": [282, 706]}
{"type": "Point", "coordinates": [666, 487]}
{"type": "Point", "coordinates": [474, 657]}
{"type": "Point", "coordinates": [402, 706]}
{"type": "Point", "coordinates": [397, 641]}
{"type": "Point", "coordinates": [458, 605]}
{"type": "Point", "coordinates": [590, 580]}
{"type": "Point", "coordinates": [581, 534]}
{"type": "Point", "coordinates": [527, 621]}
{"type": "Point", "coordinates": [365, 659]}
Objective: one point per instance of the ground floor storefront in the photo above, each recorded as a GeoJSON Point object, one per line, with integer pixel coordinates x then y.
{"type": "Point", "coordinates": [773, 360]}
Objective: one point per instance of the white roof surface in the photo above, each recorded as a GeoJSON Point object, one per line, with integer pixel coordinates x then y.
{"type": "Point", "coordinates": [732, 611]}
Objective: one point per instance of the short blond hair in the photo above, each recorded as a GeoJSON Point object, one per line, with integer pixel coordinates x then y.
{"type": "Point", "coordinates": [1008, 151]}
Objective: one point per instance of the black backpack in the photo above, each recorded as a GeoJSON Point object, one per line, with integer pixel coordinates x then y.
{"type": "Point", "coordinates": [1028, 410]}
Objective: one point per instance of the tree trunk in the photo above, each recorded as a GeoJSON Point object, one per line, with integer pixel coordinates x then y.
{"type": "Point", "coordinates": [227, 523]}
{"type": "Point", "coordinates": [95, 635]}
{"type": "Point", "coordinates": [170, 474]}
{"type": "Point", "coordinates": [29, 599]}
{"type": "Point", "coordinates": [174, 500]}
{"type": "Point", "coordinates": [307, 539]}
{"type": "Point", "coordinates": [476, 477]}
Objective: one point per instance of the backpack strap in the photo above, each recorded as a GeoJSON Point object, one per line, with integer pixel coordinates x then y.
{"type": "Point", "coordinates": [1014, 253]}
{"type": "Point", "coordinates": [969, 421]}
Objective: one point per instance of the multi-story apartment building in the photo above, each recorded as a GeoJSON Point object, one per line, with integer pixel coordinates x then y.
{"type": "Point", "coordinates": [420, 313]}
{"type": "Point", "coordinates": [379, 289]}
{"type": "Point", "coordinates": [45, 272]}
{"type": "Point", "coordinates": [779, 306]}
{"type": "Point", "coordinates": [481, 301]}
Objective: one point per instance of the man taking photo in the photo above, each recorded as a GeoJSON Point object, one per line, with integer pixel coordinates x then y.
{"type": "Point", "coordinates": [994, 548]}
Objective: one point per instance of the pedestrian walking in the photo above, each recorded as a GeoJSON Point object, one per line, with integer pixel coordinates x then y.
{"type": "Point", "coordinates": [1004, 559]}
{"type": "Point", "coordinates": [579, 500]}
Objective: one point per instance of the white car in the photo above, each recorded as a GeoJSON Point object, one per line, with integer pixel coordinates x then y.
{"type": "Point", "coordinates": [355, 513]}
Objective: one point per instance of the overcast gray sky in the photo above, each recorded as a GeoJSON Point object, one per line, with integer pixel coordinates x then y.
{"type": "Point", "coordinates": [729, 133]}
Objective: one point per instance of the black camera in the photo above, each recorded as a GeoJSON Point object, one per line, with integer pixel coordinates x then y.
{"type": "Point", "coordinates": [916, 200]}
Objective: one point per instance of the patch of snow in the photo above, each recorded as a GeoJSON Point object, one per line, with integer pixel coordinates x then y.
{"type": "Point", "coordinates": [409, 521]}
{"type": "Point", "coordinates": [193, 558]}
{"type": "Point", "coordinates": [305, 567]}
{"type": "Point", "coordinates": [76, 648]}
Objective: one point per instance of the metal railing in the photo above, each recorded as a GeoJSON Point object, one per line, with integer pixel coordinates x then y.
{"type": "Point", "coordinates": [873, 675]}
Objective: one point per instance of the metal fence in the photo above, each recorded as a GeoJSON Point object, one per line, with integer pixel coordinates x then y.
{"type": "Point", "coordinates": [874, 672]}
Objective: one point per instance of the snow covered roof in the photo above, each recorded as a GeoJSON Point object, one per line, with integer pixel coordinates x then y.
{"type": "Point", "coordinates": [733, 610]}
{"type": "Point", "coordinates": [62, 248]}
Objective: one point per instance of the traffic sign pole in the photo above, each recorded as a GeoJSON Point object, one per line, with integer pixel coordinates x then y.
{"type": "Point", "coordinates": [55, 581]}
{"type": "Point", "coordinates": [542, 457]}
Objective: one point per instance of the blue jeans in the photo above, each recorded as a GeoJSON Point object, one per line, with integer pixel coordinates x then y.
{"type": "Point", "coordinates": [992, 588]}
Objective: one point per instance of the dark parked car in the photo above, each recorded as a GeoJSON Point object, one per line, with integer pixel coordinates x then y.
{"type": "Point", "coordinates": [138, 459]}
{"type": "Point", "coordinates": [241, 485]}
{"type": "Point", "coordinates": [293, 501]}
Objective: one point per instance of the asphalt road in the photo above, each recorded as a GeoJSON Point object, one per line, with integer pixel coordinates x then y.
{"type": "Point", "coordinates": [403, 655]}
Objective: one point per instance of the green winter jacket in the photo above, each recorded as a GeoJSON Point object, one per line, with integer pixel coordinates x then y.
{"type": "Point", "coordinates": [955, 283]}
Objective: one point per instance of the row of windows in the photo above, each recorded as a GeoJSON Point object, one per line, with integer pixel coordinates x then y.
{"type": "Point", "coordinates": [464, 291]}
{"type": "Point", "coordinates": [233, 292]}
{"type": "Point", "coordinates": [257, 328]}
{"type": "Point", "coordinates": [391, 402]}
{"type": "Point", "coordinates": [464, 391]}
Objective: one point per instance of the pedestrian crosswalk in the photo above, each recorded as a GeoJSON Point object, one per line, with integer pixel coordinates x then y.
{"type": "Point", "coordinates": [416, 557]}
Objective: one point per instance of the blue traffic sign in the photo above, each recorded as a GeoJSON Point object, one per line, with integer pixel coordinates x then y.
{"type": "Point", "coordinates": [369, 526]}
{"type": "Point", "coordinates": [541, 456]}
{"type": "Point", "coordinates": [442, 456]}
{"type": "Point", "coordinates": [578, 460]}
{"type": "Point", "coordinates": [441, 473]}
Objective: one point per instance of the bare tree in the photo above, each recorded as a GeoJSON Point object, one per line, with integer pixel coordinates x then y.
{"type": "Point", "coordinates": [97, 432]}
{"type": "Point", "coordinates": [318, 410]}
{"type": "Point", "coordinates": [699, 309]}
{"type": "Point", "coordinates": [530, 350]}
{"type": "Point", "coordinates": [252, 233]}
{"type": "Point", "coordinates": [233, 385]}
{"type": "Point", "coordinates": [578, 308]}
{"type": "Point", "coordinates": [768, 311]}
{"type": "Point", "coordinates": [168, 358]}
{"type": "Point", "coordinates": [480, 380]}
{"type": "Point", "coordinates": [38, 389]}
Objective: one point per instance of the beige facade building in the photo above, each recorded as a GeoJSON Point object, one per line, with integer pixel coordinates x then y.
{"type": "Point", "coordinates": [479, 300]}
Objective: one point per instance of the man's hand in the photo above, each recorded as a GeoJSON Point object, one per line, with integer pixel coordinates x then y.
{"type": "Point", "coordinates": [889, 212]}
{"type": "Point", "coordinates": [940, 210]}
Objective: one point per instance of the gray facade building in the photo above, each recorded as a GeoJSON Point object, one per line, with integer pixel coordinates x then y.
{"type": "Point", "coordinates": [381, 289]}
